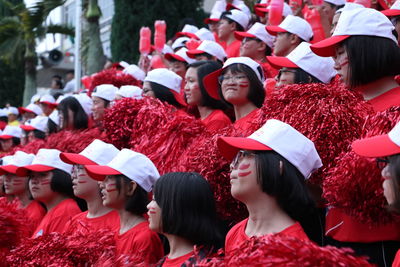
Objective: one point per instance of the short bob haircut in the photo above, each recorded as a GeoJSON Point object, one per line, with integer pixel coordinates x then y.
{"type": "Point", "coordinates": [137, 203]}
{"type": "Point", "coordinates": [256, 93]}
{"type": "Point", "coordinates": [188, 208]}
{"type": "Point", "coordinates": [371, 58]}
{"type": "Point", "coordinates": [238, 26]}
{"type": "Point", "coordinates": [164, 94]}
{"type": "Point", "coordinates": [203, 68]}
{"type": "Point", "coordinates": [80, 117]}
{"type": "Point", "coordinates": [394, 169]}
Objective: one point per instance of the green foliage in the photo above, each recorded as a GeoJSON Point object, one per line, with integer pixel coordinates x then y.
{"type": "Point", "coordinates": [130, 16]}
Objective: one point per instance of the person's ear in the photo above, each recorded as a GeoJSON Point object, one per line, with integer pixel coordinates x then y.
{"type": "Point", "coordinates": [131, 188]}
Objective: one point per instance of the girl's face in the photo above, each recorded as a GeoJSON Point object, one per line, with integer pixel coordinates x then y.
{"type": "Point", "coordinates": [111, 197]}
{"type": "Point", "coordinates": [39, 184]}
{"type": "Point", "coordinates": [2, 193]}
{"type": "Point", "coordinates": [30, 136]}
{"type": "Point", "coordinates": [342, 64]}
{"type": "Point", "coordinates": [147, 91]}
{"type": "Point", "coordinates": [178, 67]}
{"type": "Point", "coordinates": [6, 144]}
{"type": "Point", "coordinates": [235, 87]}
{"type": "Point", "coordinates": [15, 185]}
{"type": "Point", "coordinates": [154, 214]}
{"type": "Point", "coordinates": [388, 185]}
{"type": "Point", "coordinates": [286, 76]}
{"type": "Point", "coordinates": [83, 186]}
{"type": "Point", "coordinates": [243, 176]}
{"type": "Point", "coordinates": [98, 107]}
{"type": "Point", "coordinates": [192, 89]}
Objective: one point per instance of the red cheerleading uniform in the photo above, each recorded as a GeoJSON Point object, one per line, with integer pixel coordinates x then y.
{"type": "Point", "coordinates": [81, 223]}
{"type": "Point", "coordinates": [177, 262]}
{"type": "Point", "coordinates": [246, 122]}
{"type": "Point", "coordinates": [35, 213]}
{"type": "Point", "coordinates": [233, 49]}
{"type": "Point", "coordinates": [237, 234]}
{"type": "Point", "coordinates": [216, 120]}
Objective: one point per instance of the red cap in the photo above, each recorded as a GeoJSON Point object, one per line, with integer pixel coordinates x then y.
{"type": "Point", "coordinates": [99, 173]}
{"type": "Point", "coordinates": [260, 11]}
{"type": "Point", "coordinates": [23, 171]}
{"type": "Point", "coordinates": [281, 62]}
{"type": "Point", "coordinates": [210, 85]}
{"type": "Point", "coordinates": [391, 12]}
{"type": "Point", "coordinates": [210, 20]}
{"type": "Point", "coordinates": [273, 30]}
{"type": "Point", "coordinates": [6, 137]}
{"type": "Point", "coordinates": [53, 105]}
{"type": "Point", "coordinates": [326, 48]}
{"type": "Point", "coordinates": [193, 53]}
{"type": "Point", "coordinates": [178, 98]}
{"type": "Point", "coordinates": [22, 110]}
{"type": "Point", "coordinates": [241, 35]}
{"type": "Point", "coordinates": [230, 146]}
{"type": "Point", "coordinates": [170, 56]}
{"type": "Point", "coordinates": [27, 127]}
{"type": "Point", "coordinates": [72, 158]}
{"type": "Point", "coordinates": [8, 169]}
{"type": "Point", "coordinates": [188, 34]}
{"type": "Point", "coordinates": [374, 147]}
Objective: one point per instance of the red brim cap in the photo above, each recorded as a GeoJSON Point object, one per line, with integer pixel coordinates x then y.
{"type": "Point", "coordinates": [72, 158]}
{"type": "Point", "coordinates": [391, 12]}
{"type": "Point", "coordinates": [209, 20]}
{"type": "Point", "coordinates": [260, 11]}
{"type": "Point", "coordinates": [23, 171]}
{"type": "Point", "coordinates": [273, 30]}
{"type": "Point", "coordinates": [241, 35]}
{"type": "Point", "coordinates": [179, 98]}
{"type": "Point", "coordinates": [211, 83]}
{"type": "Point", "coordinates": [170, 56]}
{"type": "Point", "coordinates": [8, 169]}
{"type": "Point", "coordinates": [6, 137]}
{"type": "Point", "coordinates": [326, 48]}
{"type": "Point", "coordinates": [49, 103]}
{"type": "Point", "coordinates": [230, 146]}
{"type": "Point", "coordinates": [27, 127]}
{"type": "Point", "coordinates": [281, 62]}
{"type": "Point", "coordinates": [260, 5]}
{"type": "Point", "coordinates": [374, 147]}
{"type": "Point", "coordinates": [22, 110]}
{"type": "Point", "coordinates": [193, 53]}
{"type": "Point", "coordinates": [187, 34]}
{"type": "Point", "coordinates": [99, 173]}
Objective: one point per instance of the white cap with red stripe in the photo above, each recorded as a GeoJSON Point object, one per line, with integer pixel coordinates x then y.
{"type": "Point", "coordinates": [209, 47]}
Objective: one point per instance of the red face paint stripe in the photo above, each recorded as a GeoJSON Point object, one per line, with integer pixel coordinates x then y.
{"type": "Point", "coordinates": [111, 190]}
{"type": "Point", "coordinates": [82, 182]}
{"type": "Point", "coordinates": [45, 182]}
{"type": "Point", "coordinates": [344, 63]}
{"type": "Point", "coordinates": [244, 166]}
{"type": "Point", "coordinates": [243, 174]}
{"type": "Point", "coordinates": [244, 84]}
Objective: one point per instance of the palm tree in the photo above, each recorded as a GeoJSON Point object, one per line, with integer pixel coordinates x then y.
{"type": "Point", "coordinates": [21, 31]}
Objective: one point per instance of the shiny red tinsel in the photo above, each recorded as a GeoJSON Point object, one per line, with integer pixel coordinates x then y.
{"type": "Point", "coordinates": [285, 251]}
{"type": "Point", "coordinates": [114, 77]}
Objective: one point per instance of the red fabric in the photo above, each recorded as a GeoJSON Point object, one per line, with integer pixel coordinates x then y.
{"type": "Point", "coordinates": [233, 49]}
{"type": "Point", "coordinates": [177, 262]}
{"type": "Point", "coordinates": [35, 213]}
{"type": "Point", "coordinates": [3, 125]}
{"type": "Point", "coordinates": [57, 217]}
{"type": "Point", "coordinates": [81, 223]}
{"type": "Point", "coordinates": [237, 235]}
{"type": "Point", "coordinates": [396, 262]}
{"type": "Point", "coordinates": [269, 86]}
{"type": "Point", "coordinates": [142, 242]}
{"type": "Point", "coordinates": [345, 228]}
{"type": "Point", "coordinates": [269, 71]}
{"type": "Point", "coordinates": [247, 121]}
{"type": "Point", "coordinates": [216, 120]}
{"type": "Point", "coordinates": [386, 100]}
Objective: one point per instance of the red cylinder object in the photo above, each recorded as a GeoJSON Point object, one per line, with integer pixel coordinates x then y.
{"type": "Point", "coordinates": [312, 16]}
{"type": "Point", "coordinates": [86, 81]}
{"type": "Point", "coordinates": [145, 42]}
{"type": "Point", "coordinates": [275, 12]}
{"type": "Point", "coordinates": [192, 44]}
{"type": "Point", "coordinates": [160, 34]}
{"type": "Point", "coordinates": [156, 62]}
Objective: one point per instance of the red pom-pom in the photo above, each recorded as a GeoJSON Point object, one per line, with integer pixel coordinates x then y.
{"type": "Point", "coordinates": [114, 77]}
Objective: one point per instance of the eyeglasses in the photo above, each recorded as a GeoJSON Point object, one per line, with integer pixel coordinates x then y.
{"type": "Point", "coordinates": [285, 70]}
{"type": "Point", "coordinates": [247, 39]}
{"type": "Point", "coordinates": [239, 156]}
{"type": "Point", "coordinates": [224, 78]}
{"type": "Point", "coordinates": [382, 162]}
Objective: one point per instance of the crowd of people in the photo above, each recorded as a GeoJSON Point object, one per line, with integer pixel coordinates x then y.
{"type": "Point", "coordinates": [264, 138]}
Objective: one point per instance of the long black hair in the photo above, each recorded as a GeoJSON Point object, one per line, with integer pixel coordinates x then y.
{"type": "Point", "coordinates": [394, 169]}
{"type": "Point", "coordinates": [81, 119]}
{"type": "Point", "coordinates": [164, 94]}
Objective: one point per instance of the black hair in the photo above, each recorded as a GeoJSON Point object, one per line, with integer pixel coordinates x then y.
{"type": "Point", "coordinates": [80, 117]}
{"type": "Point", "coordinates": [58, 83]}
{"type": "Point", "coordinates": [279, 178]}
{"type": "Point", "coordinates": [188, 208]}
{"type": "Point", "coordinates": [256, 93]}
{"type": "Point", "coordinates": [203, 68]}
{"type": "Point", "coordinates": [224, 16]}
{"type": "Point", "coordinates": [16, 141]}
{"type": "Point", "coordinates": [4, 118]}
{"type": "Point", "coordinates": [371, 58]}
{"type": "Point", "coordinates": [164, 94]}
{"type": "Point", "coordinates": [137, 203]}
{"type": "Point", "coordinates": [394, 169]}
{"type": "Point", "coordinates": [57, 95]}
{"type": "Point", "coordinates": [175, 60]}
{"type": "Point", "coordinates": [210, 57]}
{"type": "Point", "coordinates": [70, 72]}
{"type": "Point", "coordinates": [56, 77]}
{"type": "Point", "coordinates": [302, 77]}
{"type": "Point", "coordinates": [51, 127]}
{"type": "Point", "coordinates": [39, 134]}
{"type": "Point", "coordinates": [335, 7]}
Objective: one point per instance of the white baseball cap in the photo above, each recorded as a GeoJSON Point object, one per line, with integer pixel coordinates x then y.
{"type": "Point", "coordinates": [135, 72]}
{"type": "Point", "coordinates": [19, 159]}
{"type": "Point", "coordinates": [179, 42]}
{"type": "Point", "coordinates": [280, 137]}
{"type": "Point", "coordinates": [187, 28]}
{"type": "Point", "coordinates": [44, 161]}
{"type": "Point", "coordinates": [211, 80]}
{"type": "Point", "coordinates": [336, 2]}
{"type": "Point", "coordinates": [10, 132]}
{"type": "Point", "coordinates": [97, 153]}
{"type": "Point", "coordinates": [12, 110]}
{"type": "Point", "coordinates": [35, 98]}
{"type": "Point", "coordinates": [3, 112]}
{"type": "Point", "coordinates": [33, 108]}
{"type": "Point", "coordinates": [294, 25]}
{"type": "Point", "coordinates": [302, 57]}
{"type": "Point", "coordinates": [37, 123]}
{"type": "Point", "coordinates": [130, 91]}
{"type": "Point", "coordinates": [239, 6]}
{"type": "Point", "coordinates": [54, 117]}
{"type": "Point", "coordinates": [85, 101]}
{"type": "Point", "coordinates": [123, 64]}
{"type": "Point", "coordinates": [261, 10]}
{"type": "Point", "coordinates": [180, 55]}
{"type": "Point", "coordinates": [349, 6]}
{"type": "Point", "coordinates": [214, 17]}
{"type": "Point", "coordinates": [48, 99]}
{"type": "Point", "coordinates": [105, 91]}
{"type": "Point", "coordinates": [201, 34]}
{"type": "Point", "coordinates": [6, 160]}
{"type": "Point", "coordinates": [393, 11]}
{"type": "Point", "coordinates": [133, 165]}
{"type": "Point", "coordinates": [257, 31]}
{"type": "Point", "coordinates": [239, 17]}
{"type": "Point", "coordinates": [359, 21]}
{"type": "Point", "coordinates": [209, 47]}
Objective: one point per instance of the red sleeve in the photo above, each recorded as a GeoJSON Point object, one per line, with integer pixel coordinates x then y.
{"type": "Point", "coordinates": [35, 212]}
{"type": "Point", "coordinates": [216, 120]}
{"type": "Point", "coordinates": [235, 236]}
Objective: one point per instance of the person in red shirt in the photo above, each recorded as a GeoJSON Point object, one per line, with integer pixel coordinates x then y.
{"type": "Point", "coordinates": [210, 109]}
{"type": "Point", "coordinates": [126, 181]}
{"type": "Point", "coordinates": [240, 84]}
{"type": "Point", "coordinates": [183, 210]}
{"type": "Point", "coordinates": [97, 216]}
{"type": "Point", "coordinates": [231, 21]}
{"type": "Point", "coordinates": [75, 112]}
{"type": "Point", "coordinates": [268, 173]}
{"type": "Point", "coordinates": [370, 72]}
{"type": "Point", "coordinates": [18, 187]}
{"type": "Point", "coordinates": [50, 183]}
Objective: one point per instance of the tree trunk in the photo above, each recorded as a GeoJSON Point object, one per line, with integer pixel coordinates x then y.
{"type": "Point", "coordinates": [30, 80]}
